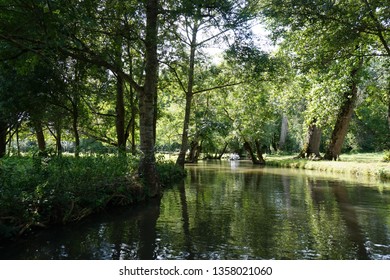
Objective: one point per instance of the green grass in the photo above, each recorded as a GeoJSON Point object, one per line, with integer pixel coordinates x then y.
{"type": "Point", "coordinates": [367, 164]}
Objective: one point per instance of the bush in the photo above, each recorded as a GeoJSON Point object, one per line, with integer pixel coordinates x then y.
{"type": "Point", "coordinates": [35, 191]}
{"type": "Point", "coordinates": [42, 190]}
{"type": "Point", "coordinates": [169, 172]}
{"type": "Point", "coordinates": [386, 156]}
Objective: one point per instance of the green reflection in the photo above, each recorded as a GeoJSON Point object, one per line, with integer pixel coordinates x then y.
{"type": "Point", "coordinates": [232, 210]}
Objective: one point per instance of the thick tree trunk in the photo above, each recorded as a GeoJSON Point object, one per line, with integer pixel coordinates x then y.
{"type": "Point", "coordinates": [259, 153]}
{"type": "Point", "coordinates": [189, 95]}
{"type": "Point", "coordinates": [40, 136]}
{"type": "Point", "coordinates": [120, 115]}
{"type": "Point", "coordinates": [3, 138]}
{"type": "Point", "coordinates": [283, 132]}
{"type": "Point", "coordinates": [250, 152]}
{"type": "Point", "coordinates": [255, 160]}
{"type": "Point", "coordinates": [147, 167]}
{"type": "Point", "coordinates": [195, 150]}
{"type": "Point", "coordinates": [311, 148]}
{"type": "Point", "coordinates": [343, 119]}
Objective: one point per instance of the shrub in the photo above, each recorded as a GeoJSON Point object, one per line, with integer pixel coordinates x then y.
{"type": "Point", "coordinates": [35, 191]}
{"type": "Point", "coordinates": [169, 172]}
{"type": "Point", "coordinates": [386, 156]}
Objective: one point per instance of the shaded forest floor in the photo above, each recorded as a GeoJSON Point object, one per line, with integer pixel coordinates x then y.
{"type": "Point", "coordinates": [365, 164]}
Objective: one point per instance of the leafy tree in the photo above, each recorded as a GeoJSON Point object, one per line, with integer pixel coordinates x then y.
{"type": "Point", "coordinates": [198, 25]}
{"type": "Point", "coordinates": [340, 36]}
{"type": "Point", "coordinates": [83, 31]}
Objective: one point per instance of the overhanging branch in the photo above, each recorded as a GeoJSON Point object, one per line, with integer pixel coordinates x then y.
{"type": "Point", "coordinates": [217, 87]}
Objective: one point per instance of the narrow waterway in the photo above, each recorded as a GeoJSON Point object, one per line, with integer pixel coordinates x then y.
{"type": "Point", "coordinates": [232, 210]}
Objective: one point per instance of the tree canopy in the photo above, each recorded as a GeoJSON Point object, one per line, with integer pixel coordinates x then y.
{"type": "Point", "coordinates": [139, 77]}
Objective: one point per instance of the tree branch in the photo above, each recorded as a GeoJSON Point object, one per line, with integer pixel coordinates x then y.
{"type": "Point", "coordinates": [217, 87]}
{"type": "Point", "coordinates": [177, 76]}
{"type": "Point", "coordinates": [378, 27]}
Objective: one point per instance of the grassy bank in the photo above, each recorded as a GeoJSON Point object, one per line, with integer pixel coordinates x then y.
{"type": "Point", "coordinates": [371, 164]}
{"type": "Point", "coordinates": [39, 191]}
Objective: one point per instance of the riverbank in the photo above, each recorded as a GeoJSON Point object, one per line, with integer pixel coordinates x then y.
{"type": "Point", "coordinates": [370, 164]}
{"type": "Point", "coordinates": [36, 192]}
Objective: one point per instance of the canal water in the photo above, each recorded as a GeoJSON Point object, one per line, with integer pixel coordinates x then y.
{"type": "Point", "coordinates": [232, 210]}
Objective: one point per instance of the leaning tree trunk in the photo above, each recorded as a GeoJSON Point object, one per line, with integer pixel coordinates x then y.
{"type": "Point", "coordinates": [250, 152]}
{"type": "Point", "coordinates": [223, 151]}
{"type": "Point", "coordinates": [147, 167]}
{"type": "Point", "coordinates": [343, 119]}
{"type": "Point", "coordinates": [259, 152]}
{"type": "Point", "coordinates": [311, 148]}
{"type": "Point", "coordinates": [248, 148]}
{"type": "Point", "coordinates": [3, 138]}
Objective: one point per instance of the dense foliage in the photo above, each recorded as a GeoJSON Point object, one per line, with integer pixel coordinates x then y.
{"type": "Point", "coordinates": [72, 73]}
{"type": "Point", "coordinates": [132, 78]}
{"type": "Point", "coordinates": [38, 191]}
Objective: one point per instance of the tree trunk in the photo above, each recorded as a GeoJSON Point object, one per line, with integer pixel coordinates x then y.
{"type": "Point", "coordinates": [76, 131]}
{"type": "Point", "coordinates": [223, 151]}
{"type": "Point", "coordinates": [184, 138]}
{"type": "Point", "coordinates": [132, 122]}
{"type": "Point", "coordinates": [343, 119]}
{"type": "Point", "coordinates": [17, 140]}
{"type": "Point", "coordinates": [75, 101]}
{"type": "Point", "coordinates": [388, 107]}
{"type": "Point", "coordinates": [133, 113]}
{"type": "Point", "coordinates": [40, 136]}
{"type": "Point", "coordinates": [194, 152]}
{"type": "Point", "coordinates": [189, 95]}
{"type": "Point", "coordinates": [193, 149]}
{"type": "Point", "coordinates": [3, 138]}
{"type": "Point", "coordinates": [259, 153]}
{"type": "Point", "coordinates": [255, 160]}
{"type": "Point", "coordinates": [58, 140]}
{"type": "Point", "coordinates": [311, 148]}
{"type": "Point", "coordinates": [147, 167]}
{"type": "Point", "coordinates": [120, 115]}
{"type": "Point", "coordinates": [283, 132]}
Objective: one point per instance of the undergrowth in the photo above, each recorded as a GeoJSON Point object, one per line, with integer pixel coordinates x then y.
{"type": "Point", "coordinates": [37, 191]}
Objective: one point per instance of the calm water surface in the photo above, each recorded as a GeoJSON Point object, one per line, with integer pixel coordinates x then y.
{"type": "Point", "coordinates": [232, 210]}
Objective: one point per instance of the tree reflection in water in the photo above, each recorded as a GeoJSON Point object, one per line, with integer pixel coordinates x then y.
{"type": "Point", "coordinates": [222, 211]}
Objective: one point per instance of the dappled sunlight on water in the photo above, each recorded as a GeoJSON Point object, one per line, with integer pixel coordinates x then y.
{"type": "Point", "coordinates": [232, 210]}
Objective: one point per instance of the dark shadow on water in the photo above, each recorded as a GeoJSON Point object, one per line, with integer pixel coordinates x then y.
{"type": "Point", "coordinates": [121, 233]}
{"type": "Point", "coordinates": [186, 221]}
{"type": "Point", "coordinates": [350, 218]}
